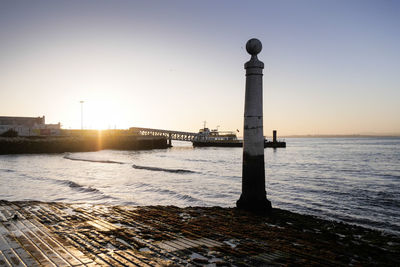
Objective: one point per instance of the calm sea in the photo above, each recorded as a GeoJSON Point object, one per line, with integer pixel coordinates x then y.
{"type": "Point", "coordinates": [354, 180]}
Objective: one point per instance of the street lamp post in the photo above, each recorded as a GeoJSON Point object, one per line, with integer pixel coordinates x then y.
{"type": "Point", "coordinates": [82, 113]}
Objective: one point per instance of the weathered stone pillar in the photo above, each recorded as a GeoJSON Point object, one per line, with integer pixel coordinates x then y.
{"type": "Point", "coordinates": [253, 196]}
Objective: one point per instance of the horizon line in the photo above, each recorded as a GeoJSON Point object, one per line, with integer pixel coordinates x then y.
{"type": "Point", "coordinates": [339, 135]}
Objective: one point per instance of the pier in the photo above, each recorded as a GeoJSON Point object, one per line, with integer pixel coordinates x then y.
{"type": "Point", "coordinates": [170, 135]}
{"type": "Point", "coordinates": [189, 136]}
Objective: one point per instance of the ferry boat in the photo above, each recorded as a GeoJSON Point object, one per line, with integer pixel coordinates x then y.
{"type": "Point", "coordinates": [207, 137]}
{"type": "Point", "coordinates": [215, 138]}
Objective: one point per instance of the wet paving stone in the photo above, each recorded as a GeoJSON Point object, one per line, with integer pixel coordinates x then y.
{"type": "Point", "coordinates": [58, 234]}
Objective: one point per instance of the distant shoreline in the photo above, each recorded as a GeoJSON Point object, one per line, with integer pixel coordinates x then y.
{"type": "Point", "coordinates": [338, 136]}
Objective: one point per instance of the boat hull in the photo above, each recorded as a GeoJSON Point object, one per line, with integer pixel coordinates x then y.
{"type": "Point", "coordinates": [234, 144]}
{"type": "Point", "coordinates": [274, 144]}
{"type": "Point", "coordinates": [216, 144]}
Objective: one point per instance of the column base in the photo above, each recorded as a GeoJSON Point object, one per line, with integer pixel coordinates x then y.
{"type": "Point", "coordinates": [257, 206]}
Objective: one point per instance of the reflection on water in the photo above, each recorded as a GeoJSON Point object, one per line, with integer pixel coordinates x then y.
{"type": "Point", "coordinates": [355, 180]}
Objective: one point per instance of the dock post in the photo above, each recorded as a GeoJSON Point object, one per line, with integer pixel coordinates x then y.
{"type": "Point", "coordinates": [170, 139]}
{"type": "Point", "coordinates": [253, 197]}
{"type": "Point", "coordinates": [274, 136]}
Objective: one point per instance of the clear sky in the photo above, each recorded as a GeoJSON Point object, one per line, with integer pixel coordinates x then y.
{"type": "Point", "coordinates": [331, 67]}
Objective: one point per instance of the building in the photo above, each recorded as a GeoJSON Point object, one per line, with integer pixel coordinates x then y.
{"type": "Point", "coordinates": [28, 126]}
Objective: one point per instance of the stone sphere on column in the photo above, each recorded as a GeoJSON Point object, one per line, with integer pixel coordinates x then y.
{"type": "Point", "coordinates": [253, 46]}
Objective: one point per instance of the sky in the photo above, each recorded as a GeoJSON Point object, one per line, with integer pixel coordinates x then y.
{"type": "Point", "coordinates": [331, 67]}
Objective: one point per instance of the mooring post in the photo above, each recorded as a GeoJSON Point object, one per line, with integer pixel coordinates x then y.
{"type": "Point", "coordinates": [170, 139]}
{"type": "Point", "coordinates": [254, 197]}
{"type": "Point", "coordinates": [274, 139]}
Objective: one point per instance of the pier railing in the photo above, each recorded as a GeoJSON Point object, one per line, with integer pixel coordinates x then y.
{"type": "Point", "coordinates": [170, 135]}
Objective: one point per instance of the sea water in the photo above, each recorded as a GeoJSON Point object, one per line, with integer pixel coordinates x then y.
{"type": "Point", "coordinates": [354, 180]}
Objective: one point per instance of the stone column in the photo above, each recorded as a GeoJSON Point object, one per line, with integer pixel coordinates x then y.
{"type": "Point", "coordinates": [253, 196]}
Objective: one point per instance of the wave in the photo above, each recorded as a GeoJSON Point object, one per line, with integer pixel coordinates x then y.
{"type": "Point", "coordinates": [78, 187]}
{"type": "Point", "coordinates": [164, 191]}
{"type": "Point", "coordinates": [93, 160]}
{"type": "Point", "coordinates": [75, 186]}
{"type": "Point", "coordinates": [161, 169]}
{"type": "Point", "coordinates": [83, 189]}
{"type": "Point", "coordinates": [71, 184]}
{"type": "Point", "coordinates": [390, 176]}
{"type": "Point", "coordinates": [177, 195]}
{"type": "Point", "coordinates": [205, 160]}
{"type": "Point", "coordinates": [7, 170]}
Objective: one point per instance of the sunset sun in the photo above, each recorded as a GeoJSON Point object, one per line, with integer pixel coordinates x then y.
{"type": "Point", "coordinates": [99, 115]}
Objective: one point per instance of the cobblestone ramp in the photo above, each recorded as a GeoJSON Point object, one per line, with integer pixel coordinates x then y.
{"type": "Point", "coordinates": [56, 234]}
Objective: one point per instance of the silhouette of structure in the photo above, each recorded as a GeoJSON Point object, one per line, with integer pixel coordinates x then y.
{"type": "Point", "coordinates": [253, 197]}
{"type": "Point", "coordinates": [81, 113]}
{"type": "Point", "coordinates": [274, 143]}
{"type": "Point", "coordinates": [203, 138]}
{"type": "Point", "coordinates": [170, 135]}
{"type": "Point", "coordinates": [28, 126]}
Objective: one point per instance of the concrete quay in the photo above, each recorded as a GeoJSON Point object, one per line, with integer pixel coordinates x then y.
{"type": "Point", "coordinates": [58, 234]}
{"type": "Point", "coordinates": [84, 143]}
